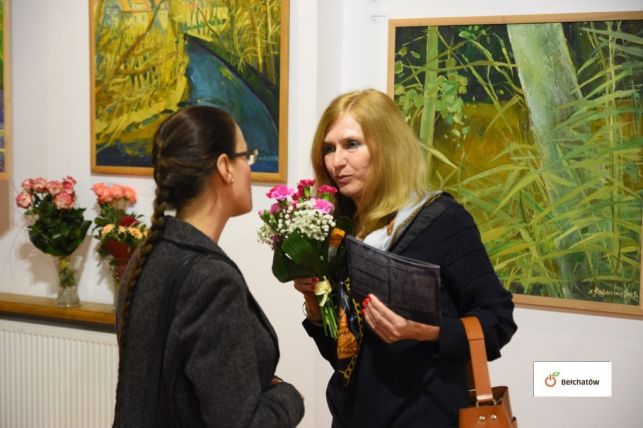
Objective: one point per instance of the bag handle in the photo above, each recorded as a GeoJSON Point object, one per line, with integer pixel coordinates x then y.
{"type": "Point", "coordinates": [479, 367]}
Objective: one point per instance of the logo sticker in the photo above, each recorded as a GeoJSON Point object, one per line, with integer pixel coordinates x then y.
{"type": "Point", "coordinates": [572, 378]}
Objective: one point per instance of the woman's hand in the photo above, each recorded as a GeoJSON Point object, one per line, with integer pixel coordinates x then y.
{"type": "Point", "coordinates": [391, 327]}
{"type": "Point", "coordinates": [306, 286]}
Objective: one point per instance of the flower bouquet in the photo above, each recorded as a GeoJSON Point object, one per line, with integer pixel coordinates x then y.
{"type": "Point", "coordinates": [119, 232]}
{"type": "Point", "coordinates": [298, 227]}
{"type": "Point", "coordinates": [58, 227]}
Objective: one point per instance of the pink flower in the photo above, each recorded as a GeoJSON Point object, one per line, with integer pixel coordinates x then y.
{"type": "Point", "coordinates": [27, 185]}
{"type": "Point", "coordinates": [324, 206]}
{"type": "Point", "coordinates": [39, 185]}
{"type": "Point", "coordinates": [280, 192]}
{"type": "Point", "coordinates": [130, 194]}
{"type": "Point", "coordinates": [101, 192]}
{"type": "Point", "coordinates": [306, 182]}
{"type": "Point", "coordinates": [98, 188]}
{"type": "Point", "coordinates": [68, 187]}
{"type": "Point", "coordinates": [275, 208]}
{"type": "Point", "coordinates": [303, 188]}
{"type": "Point", "coordinates": [325, 188]}
{"type": "Point", "coordinates": [64, 201]}
{"type": "Point", "coordinates": [117, 192]}
{"type": "Point", "coordinates": [54, 187]}
{"type": "Point", "coordinates": [24, 199]}
{"type": "Point", "coordinates": [70, 179]}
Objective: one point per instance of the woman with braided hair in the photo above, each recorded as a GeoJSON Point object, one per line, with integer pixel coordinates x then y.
{"type": "Point", "coordinates": [215, 362]}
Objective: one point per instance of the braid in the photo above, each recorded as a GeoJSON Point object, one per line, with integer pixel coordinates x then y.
{"type": "Point", "coordinates": [185, 150]}
{"type": "Point", "coordinates": [156, 228]}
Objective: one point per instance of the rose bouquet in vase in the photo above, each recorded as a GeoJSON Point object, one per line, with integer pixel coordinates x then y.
{"type": "Point", "coordinates": [58, 227]}
{"type": "Point", "coordinates": [118, 230]}
{"type": "Point", "coordinates": [298, 227]}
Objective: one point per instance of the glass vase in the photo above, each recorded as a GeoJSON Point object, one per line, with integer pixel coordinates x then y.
{"type": "Point", "coordinates": [117, 269]}
{"type": "Point", "coordinates": [67, 283]}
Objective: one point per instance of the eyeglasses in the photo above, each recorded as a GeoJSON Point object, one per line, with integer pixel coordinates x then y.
{"type": "Point", "coordinates": [250, 155]}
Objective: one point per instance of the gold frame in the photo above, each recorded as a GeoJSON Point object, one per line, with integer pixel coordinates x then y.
{"type": "Point", "coordinates": [524, 300]}
{"type": "Point", "coordinates": [280, 176]}
{"type": "Point", "coordinates": [6, 173]}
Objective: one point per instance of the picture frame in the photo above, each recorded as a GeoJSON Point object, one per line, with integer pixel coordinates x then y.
{"type": "Point", "coordinates": [534, 124]}
{"type": "Point", "coordinates": [5, 96]}
{"type": "Point", "coordinates": [151, 57]}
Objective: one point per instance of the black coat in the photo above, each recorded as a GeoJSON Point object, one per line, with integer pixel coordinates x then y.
{"type": "Point", "coordinates": [421, 384]}
{"type": "Point", "coordinates": [221, 351]}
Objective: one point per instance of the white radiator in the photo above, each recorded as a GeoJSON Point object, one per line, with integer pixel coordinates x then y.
{"type": "Point", "coordinates": [56, 377]}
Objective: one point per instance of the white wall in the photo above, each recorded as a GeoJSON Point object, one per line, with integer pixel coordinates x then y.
{"type": "Point", "coordinates": [335, 46]}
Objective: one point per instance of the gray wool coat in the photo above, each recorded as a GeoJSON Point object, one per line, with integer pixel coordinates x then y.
{"type": "Point", "coordinates": [221, 351]}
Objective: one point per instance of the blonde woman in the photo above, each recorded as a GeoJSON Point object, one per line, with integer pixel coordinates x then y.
{"type": "Point", "coordinates": [403, 373]}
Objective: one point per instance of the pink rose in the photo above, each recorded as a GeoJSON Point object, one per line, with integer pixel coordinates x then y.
{"type": "Point", "coordinates": [117, 192]}
{"type": "Point", "coordinates": [102, 192]}
{"type": "Point", "coordinates": [24, 200]}
{"type": "Point", "coordinates": [280, 192]}
{"type": "Point", "coordinates": [130, 194]}
{"type": "Point", "coordinates": [68, 187]}
{"type": "Point", "coordinates": [27, 185]}
{"type": "Point", "coordinates": [64, 201]}
{"type": "Point", "coordinates": [39, 185]}
{"type": "Point", "coordinates": [98, 188]}
{"type": "Point", "coordinates": [54, 187]}
{"type": "Point", "coordinates": [70, 179]}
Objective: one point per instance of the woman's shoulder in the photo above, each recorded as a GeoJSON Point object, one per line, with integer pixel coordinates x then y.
{"type": "Point", "coordinates": [443, 207]}
{"type": "Point", "coordinates": [214, 269]}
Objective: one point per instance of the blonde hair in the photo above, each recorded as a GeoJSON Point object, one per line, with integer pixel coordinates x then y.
{"type": "Point", "coordinates": [398, 166]}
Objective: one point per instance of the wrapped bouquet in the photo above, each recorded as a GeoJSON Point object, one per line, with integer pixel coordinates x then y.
{"type": "Point", "coordinates": [298, 227]}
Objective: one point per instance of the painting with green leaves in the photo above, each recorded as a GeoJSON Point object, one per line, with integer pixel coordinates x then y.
{"type": "Point", "coordinates": [152, 57]}
{"type": "Point", "coordinates": [535, 127]}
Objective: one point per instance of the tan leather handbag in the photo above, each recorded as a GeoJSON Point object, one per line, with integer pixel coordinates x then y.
{"type": "Point", "coordinates": [490, 406]}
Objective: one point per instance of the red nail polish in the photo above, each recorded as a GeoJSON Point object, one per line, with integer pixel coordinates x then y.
{"type": "Point", "coordinates": [315, 280]}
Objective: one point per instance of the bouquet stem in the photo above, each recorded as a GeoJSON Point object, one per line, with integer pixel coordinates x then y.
{"type": "Point", "coordinates": [327, 307]}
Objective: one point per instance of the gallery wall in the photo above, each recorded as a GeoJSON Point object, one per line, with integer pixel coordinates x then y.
{"type": "Point", "coordinates": [335, 46]}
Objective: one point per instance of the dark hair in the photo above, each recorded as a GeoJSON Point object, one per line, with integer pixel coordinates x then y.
{"type": "Point", "coordinates": [185, 151]}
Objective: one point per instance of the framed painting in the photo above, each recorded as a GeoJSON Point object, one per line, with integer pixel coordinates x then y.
{"type": "Point", "coordinates": [151, 57]}
{"type": "Point", "coordinates": [5, 92]}
{"type": "Point", "coordinates": [534, 123]}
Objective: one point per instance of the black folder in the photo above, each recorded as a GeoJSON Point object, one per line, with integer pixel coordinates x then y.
{"type": "Point", "coordinates": [411, 288]}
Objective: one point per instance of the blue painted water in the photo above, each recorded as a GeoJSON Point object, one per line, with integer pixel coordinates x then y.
{"type": "Point", "coordinates": [212, 82]}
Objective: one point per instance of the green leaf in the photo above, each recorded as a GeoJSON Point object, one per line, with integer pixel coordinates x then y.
{"type": "Point", "coordinates": [303, 252]}
{"type": "Point", "coordinates": [285, 269]}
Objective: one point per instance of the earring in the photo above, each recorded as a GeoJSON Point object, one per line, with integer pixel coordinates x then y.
{"type": "Point", "coordinates": [231, 180]}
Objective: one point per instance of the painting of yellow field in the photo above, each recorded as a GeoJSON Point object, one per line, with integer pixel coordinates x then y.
{"type": "Point", "coordinates": [151, 57]}
{"type": "Point", "coordinates": [534, 123]}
